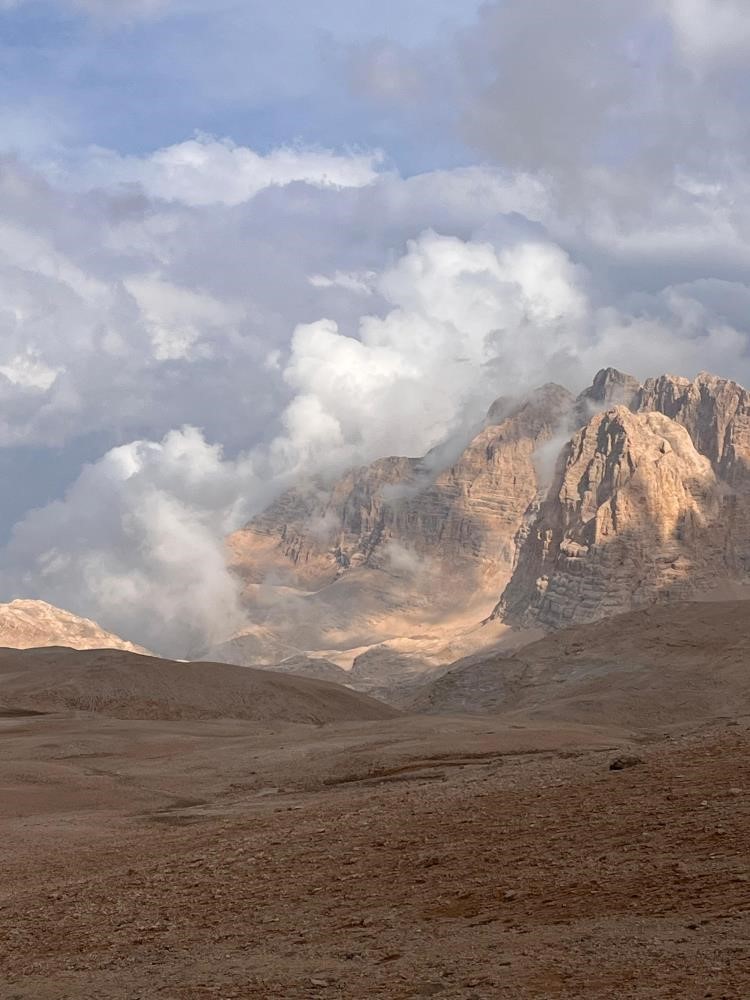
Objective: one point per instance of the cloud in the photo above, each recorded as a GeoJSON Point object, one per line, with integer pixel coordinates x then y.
{"type": "Point", "coordinates": [138, 542]}
{"type": "Point", "coordinates": [208, 171]}
{"type": "Point", "coordinates": [360, 283]}
{"type": "Point", "coordinates": [467, 322]}
{"type": "Point", "coordinates": [710, 29]}
{"type": "Point", "coordinates": [206, 321]}
{"type": "Point", "coordinates": [125, 313]}
{"type": "Point", "coordinates": [182, 324]}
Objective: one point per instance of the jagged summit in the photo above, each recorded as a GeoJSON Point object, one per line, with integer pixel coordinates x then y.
{"type": "Point", "coordinates": [565, 509]}
{"type": "Point", "coordinates": [650, 503]}
{"type": "Point", "coordinates": [609, 388]}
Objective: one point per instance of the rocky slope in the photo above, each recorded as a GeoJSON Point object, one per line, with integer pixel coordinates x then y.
{"type": "Point", "coordinates": [650, 668]}
{"type": "Point", "coordinates": [291, 662]}
{"type": "Point", "coordinates": [649, 503]}
{"type": "Point", "coordinates": [120, 684]}
{"type": "Point", "coordinates": [32, 624]}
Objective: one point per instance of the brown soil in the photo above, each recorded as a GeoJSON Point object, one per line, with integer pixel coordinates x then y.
{"type": "Point", "coordinates": [654, 667]}
{"type": "Point", "coordinates": [454, 858]}
{"type": "Point", "coordinates": [128, 686]}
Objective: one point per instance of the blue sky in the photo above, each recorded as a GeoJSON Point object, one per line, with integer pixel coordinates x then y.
{"type": "Point", "coordinates": [262, 73]}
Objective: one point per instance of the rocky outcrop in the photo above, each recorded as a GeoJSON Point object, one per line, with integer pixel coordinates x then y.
{"type": "Point", "coordinates": [651, 502]}
{"type": "Point", "coordinates": [315, 531]}
{"type": "Point", "coordinates": [34, 624]}
{"type": "Point", "coordinates": [716, 414]}
{"type": "Point", "coordinates": [609, 388]}
{"type": "Point", "coordinates": [406, 518]}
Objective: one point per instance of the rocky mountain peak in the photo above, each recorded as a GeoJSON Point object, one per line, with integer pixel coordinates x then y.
{"type": "Point", "coordinates": [29, 624]}
{"type": "Point", "coordinates": [569, 508]}
{"type": "Point", "coordinates": [716, 413]}
{"type": "Point", "coordinates": [401, 535]}
{"type": "Point", "coordinates": [610, 388]}
{"type": "Point", "coordinates": [644, 508]}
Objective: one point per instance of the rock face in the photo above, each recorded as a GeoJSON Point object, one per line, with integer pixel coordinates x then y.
{"type": "Point", "coordinates": [430, 537]}
{"type": "Point", "coordinates": [716, 414]}
{"type": "Point", "coordinates": [649, 503]}
{"type": "Point", "coordinates": [33, 624]}
{"type": "Point", "coordinates": [569, 509]}
{"type": "Point", "coordinates": [609, 388]}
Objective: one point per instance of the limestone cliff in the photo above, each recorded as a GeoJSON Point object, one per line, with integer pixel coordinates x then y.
{"type": "Point", "coordinates": [716, 414]}
{"type": "Point", "coordinates": [570, 509]}
{"type": "Point", "coordinates": [428, 537]}
{"type": "Point", "coordinates": [651, 502]}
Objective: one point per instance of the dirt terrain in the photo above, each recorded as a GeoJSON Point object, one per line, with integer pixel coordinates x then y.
{"type": "Point", "coordinates": [652, 667]}
{"type": "Point", "coordinates": [416, 857]}
{"type": "Point", "coordinates": [320, 844]}
{"type": "Point", "coordinates": [129, 686]}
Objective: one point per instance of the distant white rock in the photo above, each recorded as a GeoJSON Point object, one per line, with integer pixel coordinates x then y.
{"type": "Point", "coordinates": [28, 624]}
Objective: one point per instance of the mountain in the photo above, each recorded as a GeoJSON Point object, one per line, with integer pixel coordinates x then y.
{"type": "Point", "coordinates": [560, 510]}
{"type": "Point", "coordinates": [651, 668]}
{"type": "Point", "coordinates": [649, 503]}
{"type": "Point", "coordinates": [401, 546]}
{"type": "Point", "coordinates": [126, 686]}
{"type": "Point", "coordinates": [31, 624]}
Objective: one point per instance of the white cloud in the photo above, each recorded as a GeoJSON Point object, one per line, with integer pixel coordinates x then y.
{"type": "Point", "coordinates": [358, 282]}
{"type": "Point", "coordinates": [182, 323]}
{"type": "Point", "coordinates": [138, 542]}
{"type": "Point", "coordinates": [28, 371]}
{"type": "Point", "coordinates": [468, 322]}
{"type": "Point", "coordinates": [208, 171]}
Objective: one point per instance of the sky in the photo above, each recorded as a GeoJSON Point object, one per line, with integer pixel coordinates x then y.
{"type": "Point", "coordinates": [242, 242]}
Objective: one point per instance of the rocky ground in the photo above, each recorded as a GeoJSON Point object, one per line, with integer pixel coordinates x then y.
{"type": "Point", "coordinates": [447, 857]}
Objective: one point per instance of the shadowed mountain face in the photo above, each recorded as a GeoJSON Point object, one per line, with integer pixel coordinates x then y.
{"type": "Point", "coordinates": [649, 503]}
{"type": "Point", "coordinates": [652, 667]}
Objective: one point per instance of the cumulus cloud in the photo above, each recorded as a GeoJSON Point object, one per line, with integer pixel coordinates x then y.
{"type": "Point", "coordinates": [182, 323]}
{"type": "Point", "coordinates": [138, 542]}
{"type": "Point", "coordinates": [467, 320]}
